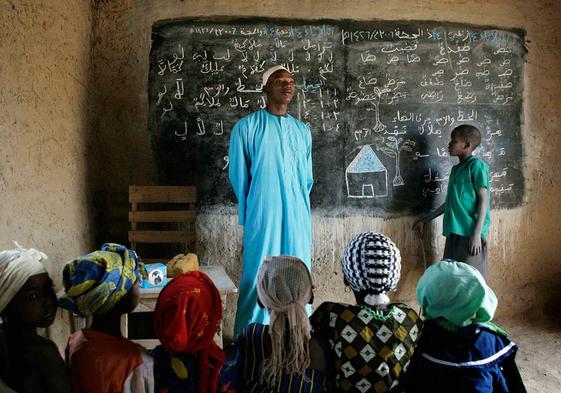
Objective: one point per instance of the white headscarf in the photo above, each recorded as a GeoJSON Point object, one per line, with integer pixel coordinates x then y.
{"type": "Point", "coordinates": [16, 266]}
{"type": "Point", "coordinates": [284, 286]}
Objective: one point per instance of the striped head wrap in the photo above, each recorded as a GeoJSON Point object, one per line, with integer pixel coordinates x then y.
{"type": "Point", "coordinates": [16, 266]}
{"type": "Point", "coordinates": [186, 318]}
{"type": "Point", "coordinates": [372, 266]}
{"type": "Point", "coordinates": [95, 282]}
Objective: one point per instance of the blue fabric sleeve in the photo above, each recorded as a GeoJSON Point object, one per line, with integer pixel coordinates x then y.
{"type": "Point", "coordinates": [232, 373]}
{"type": "Point", "coordinates": [239, 169]}
{"type": "Point", "coordinates": [310, 175]}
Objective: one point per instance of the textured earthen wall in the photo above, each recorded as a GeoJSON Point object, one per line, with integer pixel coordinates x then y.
{"type": "Point", "coordinates": [524, 242]}
{"type": "Point", "coordinates": [44, 128]}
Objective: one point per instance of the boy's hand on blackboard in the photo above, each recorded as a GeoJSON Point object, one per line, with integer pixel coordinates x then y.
{"type": "Point", "coordinates": [475, 244]}
{"type": "Point", "coordinates": [419, 226]}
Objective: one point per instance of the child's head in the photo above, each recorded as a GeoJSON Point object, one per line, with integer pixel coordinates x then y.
{"type": "Point", "coordinates": [102, 282]}
{"type": "Point", "coordinates": [456, 292]}
{"type": "Point", "coordinates": [284, 287]}
{"type": "Point", "coordinates": [464, 139]}
{"type": "Point", "coordinates": [186, 318]}
{"type": "Point", "coordinates": [372, 267]}
{"type": "Point", "coordinates": [27, 298]}
{"type": "Point", "coordinates": [284, 280]}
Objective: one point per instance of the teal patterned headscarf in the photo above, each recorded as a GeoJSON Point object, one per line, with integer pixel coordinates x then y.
{"type": "Point", "coordinates": [95, 283]}
{"type": "Point", "coordinates": [456, 292]}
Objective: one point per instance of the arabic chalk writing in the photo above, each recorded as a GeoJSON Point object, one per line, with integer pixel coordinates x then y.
{"type": "Point", "coordinates": [380, 98]}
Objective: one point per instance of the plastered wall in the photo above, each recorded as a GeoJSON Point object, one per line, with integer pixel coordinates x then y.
{"type": "Point", "coordinates": [44, 129]}
{"type": "Point", "coordinates": [73, 122]}
{"type": "Point", "coordinates": [524, 242]}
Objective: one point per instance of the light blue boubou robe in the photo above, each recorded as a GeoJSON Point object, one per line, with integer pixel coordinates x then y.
{"type": "Point", "coordinates": [270, 159]}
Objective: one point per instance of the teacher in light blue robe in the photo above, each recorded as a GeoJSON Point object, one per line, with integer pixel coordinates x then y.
{"type": "Point", "coordinates": [270, 168]}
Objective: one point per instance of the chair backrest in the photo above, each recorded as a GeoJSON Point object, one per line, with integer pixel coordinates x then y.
{"type": "Point", "coordinates": [163, 214]}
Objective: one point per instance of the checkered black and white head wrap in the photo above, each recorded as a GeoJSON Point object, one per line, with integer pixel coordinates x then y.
{"type": "Point", "coordinates": [372, 266]}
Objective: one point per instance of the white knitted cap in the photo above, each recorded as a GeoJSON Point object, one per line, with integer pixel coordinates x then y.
{"type": "Point", "coordinates": [271, 71]}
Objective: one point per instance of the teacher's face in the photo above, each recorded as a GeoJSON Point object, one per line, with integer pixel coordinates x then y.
{"type": "Point", "coordinates": [280, 87]}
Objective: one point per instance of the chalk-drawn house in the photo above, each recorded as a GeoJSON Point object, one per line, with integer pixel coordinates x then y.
{"type": "Point", "coordinates": [366, 176]}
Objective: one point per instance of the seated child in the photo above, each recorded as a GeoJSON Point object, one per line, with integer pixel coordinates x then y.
{"type": "Point", "coordinates": [282, 356]}
{"type": "Point", "coordinates": [460, 349]}
{"type": "Point", "coordinates": [104, 285]}
{"type": "Point", "coordinates": [29, 363]}
{"type": "Point", "coordinates": [186, 318]}
{"type": "Point", "coordinates": [370, 343]}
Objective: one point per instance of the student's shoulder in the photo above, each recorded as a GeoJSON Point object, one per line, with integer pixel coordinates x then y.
{"type": "Point", "coordinates": [406, 309]}
{"type": "Point", "coordinates": [491, 329]}
{"type": "Point", "coordinates": [477, 162]}
{"type": "Point", "coordinates": [332, 308]}
{"type": "Point", "coordinates": [43, 348]}
{"type": "Point", "coordinates": [253, 329]}
{"type": "Point", "coordinates": [252, 333]}
{"type": "Point", "coordinates": [475, 332]}
{"type": "Point", "coordinates": [255, 326]}
{"type": "Point", "coordinates": [492, 340]}
{"type": "Point", "coordinates": [38, 341]}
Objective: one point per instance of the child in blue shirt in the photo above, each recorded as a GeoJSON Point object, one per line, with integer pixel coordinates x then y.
{"type": "Point", "coordinates": [460, 349]}
{"type": "Point", "coordinates": [466, 210]}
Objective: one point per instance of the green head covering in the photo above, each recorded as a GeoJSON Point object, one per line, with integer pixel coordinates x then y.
{"type": "Point", "coordinates": [456, 292]}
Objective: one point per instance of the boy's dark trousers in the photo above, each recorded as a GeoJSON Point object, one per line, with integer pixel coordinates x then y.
{"type": "Point", "coordinates": [457, 248]}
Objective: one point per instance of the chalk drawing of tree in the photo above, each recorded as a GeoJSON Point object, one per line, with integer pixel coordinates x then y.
{"type": "Point", "coordinates": [378, 126]}
{"type": "Point", "coordinates": [393, 149]}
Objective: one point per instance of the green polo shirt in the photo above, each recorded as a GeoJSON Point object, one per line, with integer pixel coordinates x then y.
{"type": "Point", "coordinates": [460, 209]}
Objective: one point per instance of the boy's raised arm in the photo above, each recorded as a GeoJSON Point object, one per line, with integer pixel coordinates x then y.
{"type": "Point", "coordinates": [420, 222]}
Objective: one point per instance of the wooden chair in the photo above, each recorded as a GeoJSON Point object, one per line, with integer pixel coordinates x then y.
{"type": "Point", "coordinates": [150, 210]}
{"type": "Point", "coordinates": [167, 215]}
{"type": "Point", "coordinates": [163, 214]}
{"type": "Point", "coordinates": [160, 215]}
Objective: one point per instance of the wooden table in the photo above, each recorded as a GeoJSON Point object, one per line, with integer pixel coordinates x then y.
{"type": "Point", "coordinates": [149, 297]}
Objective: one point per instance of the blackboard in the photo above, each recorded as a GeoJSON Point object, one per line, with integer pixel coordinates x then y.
{"type": "Point", "coordinates": [380, 98]}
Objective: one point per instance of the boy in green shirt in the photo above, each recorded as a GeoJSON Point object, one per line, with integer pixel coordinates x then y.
{"type": "Point", "coordinates": [466, 210]}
